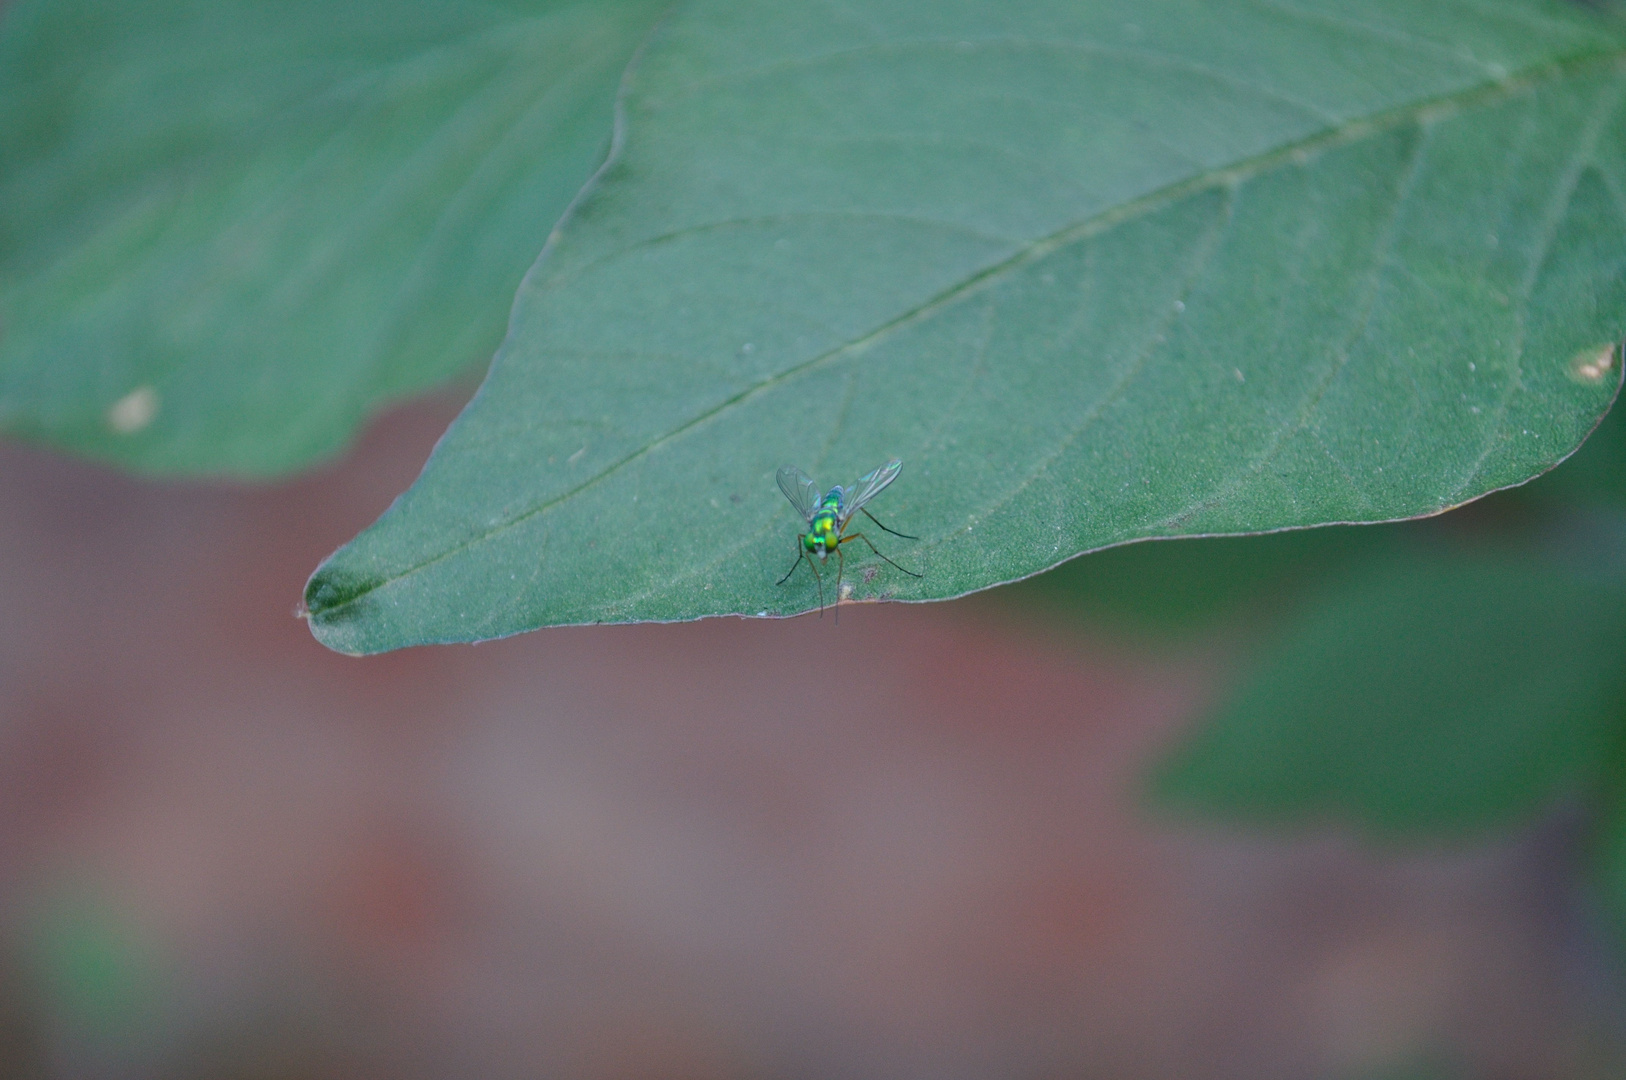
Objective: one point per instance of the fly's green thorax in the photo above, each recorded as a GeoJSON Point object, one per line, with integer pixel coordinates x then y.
{"type": "Point", "coordinates": [824, 531]}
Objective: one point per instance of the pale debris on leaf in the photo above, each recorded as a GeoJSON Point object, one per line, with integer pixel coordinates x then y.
{"type": "Point", "coordinates": [1593, 364]}
{"type": "Point", "coordinates": [134, 411]}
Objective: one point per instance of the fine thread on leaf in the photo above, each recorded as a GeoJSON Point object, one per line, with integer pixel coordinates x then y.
{"type": "Point", "coordinates": [1350, 132]}
{"type": "Point", "coordinates": [1036, 165]}
{"type": "Point", "coordinates": [1389, 34]}
{"type": "Point", "coordinates": [1094, 48]}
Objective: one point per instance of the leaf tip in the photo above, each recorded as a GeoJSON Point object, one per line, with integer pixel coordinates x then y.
{"type": "Point", "coordinates": [335, 600]}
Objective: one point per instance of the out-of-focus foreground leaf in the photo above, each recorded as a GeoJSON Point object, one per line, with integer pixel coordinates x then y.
{"type": "Point", "coordinates": [1443, 690]}
{"type": "Point", "coordinates": [1096, 272]}
{"type": "Point", "coordinates": [230, 230]}
{"type": "Point", "coordinates": [1608, 849]}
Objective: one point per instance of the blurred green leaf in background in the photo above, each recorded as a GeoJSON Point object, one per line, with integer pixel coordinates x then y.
{"type": "Point", "coordinates": [231, 231]}
{"type": "Point", "coordinates": [1432, 681]}
{"type": "Point", "coordinates": [97, 973]}
{"type": "Point", "coordinates": [1439, 688]}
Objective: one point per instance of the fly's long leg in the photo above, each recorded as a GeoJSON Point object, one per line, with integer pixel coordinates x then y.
{"type": "Point", "coordinates": [841, 564]}
{"type": "Point", "coordinates": [801, 553]}
{"type": "Point", "coordinates": [894, 532]}
{"type": "Point", "coordinates": [872, 547]}
{"type": "Point", "coordinates": [795, 564]}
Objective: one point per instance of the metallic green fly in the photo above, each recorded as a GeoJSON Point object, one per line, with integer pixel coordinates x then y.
{"type": "Point", "coordinates": [827, 519]}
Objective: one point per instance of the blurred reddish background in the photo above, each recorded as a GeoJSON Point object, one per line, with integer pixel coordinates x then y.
{"type": "Point", "coordinates": [646, 852]}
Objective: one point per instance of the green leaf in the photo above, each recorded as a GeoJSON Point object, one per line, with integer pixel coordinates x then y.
{"type": "Point", "coordinates": [99, 976]}
{"type": "Point", "coordinates": [1444, 690]}
{"type": "Point", "coordinates": [1607, 856]}
{"type": "Point", "coordinates": [1095, 273]}
{"type": "Point", "coordinates": [231, 230]}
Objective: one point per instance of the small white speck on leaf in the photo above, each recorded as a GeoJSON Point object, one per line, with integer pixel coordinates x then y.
{"type": "Point", "coordinates": [134, 411]}
{"type": "Point", "coordinates": [577, 456]}
{"type": "Point", "coordinates": [1239, 376]}
{"type": "Point", "coordinates": [1179, 305]}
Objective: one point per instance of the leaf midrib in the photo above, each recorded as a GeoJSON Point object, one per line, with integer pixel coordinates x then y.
{"type": "Point", "coordinates": [1424, 111]}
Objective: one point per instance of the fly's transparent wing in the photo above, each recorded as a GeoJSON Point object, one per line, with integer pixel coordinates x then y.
{"type": "Point", "coordinates": [799, 488]}
{"type": "Point", "coordinates": [868, 486]}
